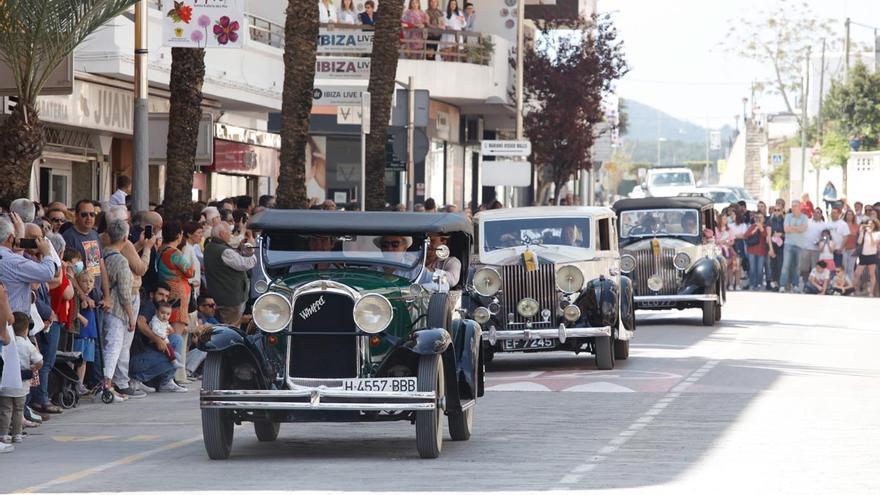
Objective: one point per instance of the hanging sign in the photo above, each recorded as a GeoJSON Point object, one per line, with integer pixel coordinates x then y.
{"type": "Point", "coordinates": [203, 23]}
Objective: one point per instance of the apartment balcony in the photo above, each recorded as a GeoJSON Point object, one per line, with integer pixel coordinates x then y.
{"type": "Point", "coordinates": [470, 70]}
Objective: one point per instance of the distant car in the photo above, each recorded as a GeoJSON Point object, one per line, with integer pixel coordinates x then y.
{"type": "Point", "coordinates": [637, 192]}
{"type": "Point", "coordinates": [667, 182]}
{"type": "Point", "coordinates": [720, 196]}
{"type": "Point", "coordinates": [548, 278]}
{"type": "Point", "coordinates": [352, 326]}
{"type": "Point", "coordinates": [664, 249]}
{"type": "Point", "coordinates": [742, 195]}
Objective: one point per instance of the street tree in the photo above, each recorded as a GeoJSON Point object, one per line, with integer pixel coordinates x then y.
{"type": "Point", "coordinates": [569, 66]}
{"type": "Point", "coordinates": [777, 37]}
{"type": "Point", "coordinates": [187, 77]}
{"type": "Point", "coordinates": [383, 70]}
{"type": "Point", "coordinates": [855, 105]}
{"type": "Point", "coordinates": [35, 37]}
{"type": "Point", "coordinates": [300, 54]}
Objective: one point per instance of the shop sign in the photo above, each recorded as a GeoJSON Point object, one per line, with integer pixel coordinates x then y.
{"type": "Point", "coordinates": [506, 148]}
{"type": "Point", "coordinates": [336, 40]}
{"type": "Point", "coordinates": [337, 95]}
{"type": "Point", "coordinates": [203, 23]}
{"type": "Point", "coordinates": [244, 159]}
{"type": "Point", "coordinates": [506, 173]}
{"type": "Point", "coordinates": [342, 68]}
{"type": "Point", "coordinates": [94, 106]}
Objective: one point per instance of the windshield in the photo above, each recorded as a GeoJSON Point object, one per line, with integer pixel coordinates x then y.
{"type": "Point", "coordinates": [722, 196]}
{"type": "Point", "coordinates": [286, 252]}
{"type": "Point", "coordinates": [547, 231]}
{"type": "Point", "coordinates": [741, 193]}
{"type": "Point", "coordinates": [648, 223]}
{"type": "Point", "coordinates": [672, 179]}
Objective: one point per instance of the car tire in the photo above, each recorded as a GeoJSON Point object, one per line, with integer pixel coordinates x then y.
{"type": "Point", "coordinates": [717, 311]}
{"type": "Point", "coordinates": [461, 425]}
{"type": "Point", "coordinates": [217, 424]}
{"type": "Point", "coordinates": [438, 311]}
{"type": "Point", "coordinates": [604, 350]}
{"type": "Point", "coordinates": [621, 349]}
{"type": "Point", "coordinates": [267, 431]}
{"type": "Point", "coordinates": [429, 424]}
{"type": "Point", "coordinates": [709, 313]}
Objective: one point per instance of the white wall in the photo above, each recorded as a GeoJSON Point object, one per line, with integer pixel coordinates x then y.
{"type": "Point", "coordinates": [734, 173]}
{"type": "Point", "coordinates": [863, 170]}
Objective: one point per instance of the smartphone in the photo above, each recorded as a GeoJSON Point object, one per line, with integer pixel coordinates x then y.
{"type": "Point", "coordinates": [27, 243]}
{"type": "Point", "coordinates": [148, 232]}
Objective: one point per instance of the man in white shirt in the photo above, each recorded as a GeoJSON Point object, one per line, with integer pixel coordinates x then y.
{"type": "Point", "coordinates": [810, 249]}
{"type": "Point", "coordinates": [839, 232]}
{"type": "Point", "coordinates": [123, 189]}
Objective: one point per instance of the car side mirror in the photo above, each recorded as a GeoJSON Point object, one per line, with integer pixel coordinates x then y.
{"type": "Point", "coordinates": [441, 252]}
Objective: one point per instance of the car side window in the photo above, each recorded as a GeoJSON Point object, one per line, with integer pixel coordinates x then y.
{"type": "Point", "coordinates": [604, 227]}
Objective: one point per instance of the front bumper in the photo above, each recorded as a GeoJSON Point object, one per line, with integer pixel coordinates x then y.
{"type": "Point", "coordinates": [319, 398]}
{"type": "Point", "coordinates": [676, 298]}
{"type": "Point", "coordinates": [562, 333]}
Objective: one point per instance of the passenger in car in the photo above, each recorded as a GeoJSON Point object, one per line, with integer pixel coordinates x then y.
{"type": "Point", "coordinates": [451, 265]}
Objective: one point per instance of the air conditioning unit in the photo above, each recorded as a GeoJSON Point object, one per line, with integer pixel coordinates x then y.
{"type": "Point", "coordinates": [472, 129]}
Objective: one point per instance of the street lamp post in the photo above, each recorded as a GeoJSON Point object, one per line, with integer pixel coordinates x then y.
{"type": "Point", "coordinates": [140, 162]}
{"type": "Point", "coordinates": [659, 140]}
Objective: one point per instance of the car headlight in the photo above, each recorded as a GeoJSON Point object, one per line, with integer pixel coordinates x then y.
{"type": "Point", "coordinates": [487, 282]}
{"type": "Point", "coordinates": [261, 286]}
{"type": "Point", "coordinates": [481, 315]}
{"type": "Point", "coordinates": [655, 283]}
{"type": "Point", "coordinates": [569, 279]}
{"type": "Point", "coordinates": [528, 307]}
{"type": "Point", "coordinates": [627, 263]}
{"type": "Point", "coordinates": [571, 312]}
{"type": "Point", "coordinates": [272, 312]}
{"type": "Point", "coordinates": [373, 313]}
{"type": "Point", "coordinates": [681, 261]}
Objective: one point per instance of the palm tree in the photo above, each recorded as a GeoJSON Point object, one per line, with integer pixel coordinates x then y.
{"type": "Point", "coordinates": [300, 47]}
{"type": "Point", "coordinates": [383, 70]}
{"type": "Point", "coordinates": [35, 37]}
{"type": "Point", "coordinates": [187, 76]}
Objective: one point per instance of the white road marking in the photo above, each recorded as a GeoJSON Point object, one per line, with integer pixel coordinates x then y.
{"type": "Point", "coordinates": [606, 387]}
{"type": "Point", "coordinates": [518, 387]}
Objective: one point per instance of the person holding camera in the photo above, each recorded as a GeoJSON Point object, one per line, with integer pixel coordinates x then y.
{"type": "Point", "coordinates": [226, 272]}
{"type": "Point", "coordinates": [827, 247]}
{"type": "Point", "coordinates": [868, 242]}
{"type": "Point", "coordinates": [757, 240]}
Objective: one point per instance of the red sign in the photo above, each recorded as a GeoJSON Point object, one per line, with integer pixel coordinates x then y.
{"type": "Point", "coordinates": [244, 159]}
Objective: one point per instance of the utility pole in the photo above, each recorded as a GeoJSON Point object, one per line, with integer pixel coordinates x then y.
{"type": "Point", "coordinates": [365, 129]}
{"type": "Point", "coordinates": [520, 49]}
{"type": "Point", "coordinates": [804, 95]}
{"type": "Point", "coordinates": [410, 143]}
{"type": "Point", "coordinates": [140, 163]}
{"type": "Point", "coordinates": [819, 123]}
{"type": "Point", "coordinates": [846, 51]}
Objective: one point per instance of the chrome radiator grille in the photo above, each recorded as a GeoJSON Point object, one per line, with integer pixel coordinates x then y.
{"type": "Point", "coordinates": [647, 265]}
{"type": "Point", "coordinates": [540, 285]}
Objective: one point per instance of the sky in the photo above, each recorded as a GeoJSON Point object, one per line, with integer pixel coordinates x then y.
{"type": "Point", "coordinates": [678, 66]}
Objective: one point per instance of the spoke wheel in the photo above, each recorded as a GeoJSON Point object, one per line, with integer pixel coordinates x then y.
{"type": "Point", "coordinates": [429, 425]}
{"type": "Point", "coordinates": [217, 424]}
{"type": "Point", "coordinates": [267, 431]}
{"type": "Point", "coordinates": [604, 353]}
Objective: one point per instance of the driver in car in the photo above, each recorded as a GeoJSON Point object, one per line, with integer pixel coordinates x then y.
{"type": "Point", "coordinates": [570, 236]}
{"type": "Point", "coordinates": [317, 243]}
{"type": "Point", "coordinates": [647, 224]}
{"type": "Point", "coordinates": [394, 249]}
{"type": "Point", "coordinates": [689, 223]}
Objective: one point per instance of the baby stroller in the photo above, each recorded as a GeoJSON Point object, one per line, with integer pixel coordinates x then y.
{"type": "Point", "coordinates": [63, 380]}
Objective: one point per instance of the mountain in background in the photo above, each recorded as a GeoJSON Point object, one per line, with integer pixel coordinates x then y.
{"type": "Point", "coordinates": [685, 141]}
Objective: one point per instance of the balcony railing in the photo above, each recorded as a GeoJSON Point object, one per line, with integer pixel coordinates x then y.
{"type": "Point", "coordinates": [415, 43]}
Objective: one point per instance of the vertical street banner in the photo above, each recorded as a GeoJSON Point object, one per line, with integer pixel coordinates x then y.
{"type": "Point", "coordinates": [203, 23]}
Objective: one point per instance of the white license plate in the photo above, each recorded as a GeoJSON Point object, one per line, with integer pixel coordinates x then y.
{"type": "Point", "coordinates": [522, 345]}
{"type": "Point", "coordinates": [398, 384]}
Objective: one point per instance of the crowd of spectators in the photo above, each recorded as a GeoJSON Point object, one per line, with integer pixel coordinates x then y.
{"type": "Point", "coordinates": [121, 299]}
{"type": "Point", "coordinates": [801, 248]}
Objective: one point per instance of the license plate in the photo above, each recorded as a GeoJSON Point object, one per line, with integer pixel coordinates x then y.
{"type": "Point", "coordinates": [522, 345]}
{"type": "Point", "coordinates": [397, 384]}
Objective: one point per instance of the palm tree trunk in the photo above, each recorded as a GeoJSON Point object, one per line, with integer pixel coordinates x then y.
{"type": "Point", "coordinates": [187, 77]}
{"type": "Point", "coordinates": [300, 46]}
{"type": "Point", "coordinates": [383, 70]}
{"type": "Point", "coordinates": [21, 143]}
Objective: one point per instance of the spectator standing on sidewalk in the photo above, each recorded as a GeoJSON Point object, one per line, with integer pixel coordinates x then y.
{"type": "Point", "coordinates": [18, 272]}
{"type": "Point", "coordinates": [795, 226]}
{"type": "Point", "coordinates": [83, 237]}
{"type": "Point", "coordinates": [12, 400]}
{"type": "Point", "coordinates": [869, 241]}
{"type": "Point", "coordinates": [226, 272]}
{"type": "Point", "coordinates": [757, 239]}
{"type": "Point", "coordinates": [120, 316]}
{"type": "Point", "coordinates": [849, 248]}
{"type": "Point", "coordinates": [839, 231]}
{"type": "Point", "coordinates": [810, 248]}
{"type": "Point", "coordinates": [777, 243]}
{"type": "Point", "coordinates": [123, 189]}
{"type": "Point", "coordinates": [826, 250]}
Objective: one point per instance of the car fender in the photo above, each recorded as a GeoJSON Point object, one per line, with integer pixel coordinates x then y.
{"type": "Point", "coordinates": [599, 302]}
{"type": "Point", "coordinates": [237, 348]}
{"type": "Point", "coordinates": [466, 338]}
{"type": "Point", "coordinates": [702, 277]}
{"type": "Point", "coordinates": [428, 341]}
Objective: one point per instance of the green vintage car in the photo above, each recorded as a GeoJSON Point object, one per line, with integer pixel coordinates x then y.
{"type": "Point", "coordinates": [357, 321]}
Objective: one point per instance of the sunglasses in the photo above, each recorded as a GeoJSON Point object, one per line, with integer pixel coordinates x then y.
{"type": "Point", "coordinates": [212, 305]}
{"type": "Point", "coordinates": [391, 244]}
{"type": "Point", "coordinates": [87, 214]}
{"type": "Point", "coordinates": [56, 220]}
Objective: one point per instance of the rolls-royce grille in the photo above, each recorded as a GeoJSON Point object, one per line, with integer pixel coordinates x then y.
{"type": "Point", "coordinates": [323, 344]}
{"type": "Point", "coordinates": [648, 265]}
{"type": "Point", "coordinates": [540, 285]}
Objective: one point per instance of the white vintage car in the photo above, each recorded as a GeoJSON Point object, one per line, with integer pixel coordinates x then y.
{"type": "Point", "coordinates": [548, 278]}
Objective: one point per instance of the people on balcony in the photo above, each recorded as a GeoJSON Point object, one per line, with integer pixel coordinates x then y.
{"type": "Point", "coordinates": [347, 14]}
{"type": "Point", "coordinates": [436, 21]}
{"type": "Point", "coordinates": [414, 20]}
{"type": "Point", "coordinates": [455, 21]}
{"type": "Point", "coordinates": [327, 12]}
{"type": "Point", "coordinates": [470, 16]}
{"type": "Point", "coordinates": [368, 16]}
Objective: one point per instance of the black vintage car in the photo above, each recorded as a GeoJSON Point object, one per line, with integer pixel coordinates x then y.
{"type": "Point", "coordinates": [353, 325]}
{"type": "Point", "coordinates": [668, 250]}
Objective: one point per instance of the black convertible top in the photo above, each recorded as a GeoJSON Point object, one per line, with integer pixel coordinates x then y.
{"type": "Point", "coordinates": [363, 223]}
{"type": "Point", "coordinates": [696, 202]}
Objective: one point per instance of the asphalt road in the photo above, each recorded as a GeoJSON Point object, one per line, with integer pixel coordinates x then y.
{"type": "Point", "coordinates": [781, 397]}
